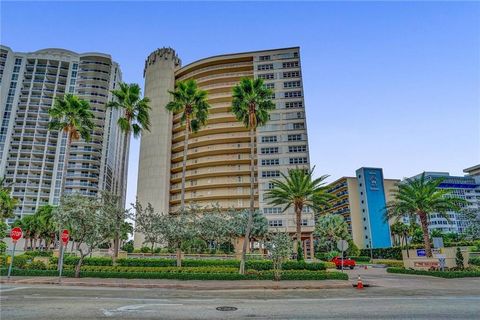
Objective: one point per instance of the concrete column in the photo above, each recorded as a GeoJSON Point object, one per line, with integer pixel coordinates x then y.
{"type": "Point", "coordinates": [155, 148]}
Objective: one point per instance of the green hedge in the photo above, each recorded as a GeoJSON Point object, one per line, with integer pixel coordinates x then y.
{"type": "Point", "coordinates": [383, 253]}
{"type": "Point", "coordinates": [361, 258]}
{"type": "Point", "coordinates": [37, 253]}
{"type": "Point", "coordinates": [441, 274]}
{"type": "Point", "coordinates": [474, 261]}
{"type": "Point", "coordinates": [250, 264]}
{"type": "Point", "coordinates": [94, 261]}
{"type": "Point", "coordinates": [259, 275]}
{"type": "Point", "coordinates": [389, 263]}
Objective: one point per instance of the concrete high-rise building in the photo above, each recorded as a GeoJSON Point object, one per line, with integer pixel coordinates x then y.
{"type": "Point", "coordinates": [32, 157]}
{"type": "Point", "coordinates": [218, 165]}
{"type": "Point", "coordinates": [361, 200]}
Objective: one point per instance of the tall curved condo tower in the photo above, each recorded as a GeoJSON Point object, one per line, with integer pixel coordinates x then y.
{"type": "Point", "coordinates": [218, 165]}
{"type": "Point", "coordinates": [32, 157]}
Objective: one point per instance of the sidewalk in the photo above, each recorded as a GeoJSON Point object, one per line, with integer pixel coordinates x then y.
{"type": "Point", "coordinates": [181, 284]}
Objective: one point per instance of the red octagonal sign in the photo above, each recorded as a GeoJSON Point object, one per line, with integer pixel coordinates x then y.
{"type": "Point", "coordinates": [65, 236]}
{"type": "Point", "coordinates": [16, 234]}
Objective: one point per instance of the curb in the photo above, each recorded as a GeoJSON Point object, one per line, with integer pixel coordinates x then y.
{"type": "Point", "coordinates": [284, 286]}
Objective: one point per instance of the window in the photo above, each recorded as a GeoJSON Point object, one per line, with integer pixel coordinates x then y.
{"type": "Point", "coordinates": [293, 94]}
{"type": "Point", "coordinates": [275, 223]}
{"type": "Point", "coordinates": [291, 64]}
{"type": "Point", "coordinates": [297, 148]}
{"type": "Point", "coordinates": [16, 69]}
{"type": "Point", "coordinates": [18, 61]}
{"type": "Point", "coordinates": [75, 66]}
{"type": "Point", "coordinates": [270, 185]}
{"type": "Point", "coordinates": [265, 67]}
{"type": "Point", "coordinates": [270, 85]}
{"type": "Point", "coordinates": [270, 174]}
{"type": "Point", "coordinates": [293, 104]}
{"type": "Point", "coordinates": [14, 76]}
{"type": "Point", "coordinates": [291, 74]}
{"type": "Point", "coordinates": [294, 137]}
{"type": "Point", "coordinates": [299, 125]}
{"type": "Point", "coordinates": [269, 139]}
{"type": "Point", "coordinates": [298, 160]}
{"type": "Point", "coordinates": [269, 150]}
{"type": "Point", "coordinates": [74, 74]}
{"type": "Point", "coordinates": [291, 84]}
{"type": "Point", "coordinates": [266, 76]}
{"type": "Point", "coordinates": [270, 162]}
{"type": "Point", "coordinates": [274, 210]}
{"type": "Point", "coordinates": [304, 222]}
{"type": "Point", "coordinates": [264, 58]}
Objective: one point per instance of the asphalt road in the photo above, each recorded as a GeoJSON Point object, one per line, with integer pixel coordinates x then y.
{"type": "Point", "coordinates": [391, 297]}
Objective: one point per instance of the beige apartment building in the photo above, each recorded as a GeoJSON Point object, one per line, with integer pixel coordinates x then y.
{"type": "Point", "coordinates": [31, 156]}
{"type": "Point", "coordinates": [218, 155]}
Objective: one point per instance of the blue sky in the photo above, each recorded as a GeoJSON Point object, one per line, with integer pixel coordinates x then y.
{"type": "Point", "coordinates": [391, 85]}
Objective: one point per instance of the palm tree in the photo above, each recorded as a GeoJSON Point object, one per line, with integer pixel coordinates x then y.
{"type": "Point", "coordinates": [420, 197]}
{"type": "Point", "coordinates": [136, 119]}
{"type": "Point", "coordinates": [330, 228]}
{"type": "Point", "coordinates": [251, 104]}
{"type": "Point", "coordinates": [192, 102]}
{"type": "Point", "coordinates": [299, 189]}
{"type": "Point", "coordinates": [73, 116]}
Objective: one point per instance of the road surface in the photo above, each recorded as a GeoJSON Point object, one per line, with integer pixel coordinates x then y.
{"type": "Point", "coordinates": [391, 297]}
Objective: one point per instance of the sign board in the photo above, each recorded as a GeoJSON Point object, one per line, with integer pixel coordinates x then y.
{"type": "Point", "coordinates": [342, 245]}
{"type": "Point", "coordinates": [65, 237]}
{"type": "Point", "coordinates": [421, 253]}
{"type": "Point", "coordinates": [426, 264]}
{"type": "Point", "coordinates": [438, 242]}
{"type": "Point", "coordinates": [16, 234]}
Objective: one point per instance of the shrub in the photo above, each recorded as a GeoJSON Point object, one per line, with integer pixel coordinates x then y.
{"type": "Point", "coordinates": [128, 247]}
{"type": "Point", "coordinates": [250, 275]}
{"type": "Point", "coordinates": [360, 258]}
{"type": "Point", "coordinates": [20, 261]}
{"type": "Point", "coordinates": [474, 261]}
{"type": "Point", "coordinates": [3, 261]}
{"type": "Point", "coordinates": [459, 259]}
{"type": "Point", "coordinates": [38, 253]}
{"type": "Point", "coordinates": [330, 265]}
{"type": "Point", "coordinates": [73, 260]}
{"type": "Point", "coordinates": [36, 265]}
{"type": "Point", "coordinates": [442, 274]}
{"type": "Point", "coordinates": [389, 263]}
{"type": "Point", "coordinates": [145, 250]}
{"type": "Point", "coordinates": [3, 247]}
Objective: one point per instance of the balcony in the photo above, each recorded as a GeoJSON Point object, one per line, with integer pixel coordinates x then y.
{"type": "Point", "coordinates": [232, 148]}
{"type": "Point", "coordinates": [212, 161]}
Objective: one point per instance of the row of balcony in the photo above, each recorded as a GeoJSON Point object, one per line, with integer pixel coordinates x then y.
{"type": "Point", "coordinates": [212, 161]}
{"type": "Point", "coordinates": [213, 171]}
{"type": "Point", "coordinates": [211, 139]}
{"type": "Point", "coordinates": [217, 149]}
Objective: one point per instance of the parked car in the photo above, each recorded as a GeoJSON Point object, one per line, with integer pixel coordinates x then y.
{"type": "Point", "coordinates": [347, 262]}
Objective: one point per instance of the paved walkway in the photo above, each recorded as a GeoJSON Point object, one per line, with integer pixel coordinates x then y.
{"type": "Point", "coordinates": [181, 284]}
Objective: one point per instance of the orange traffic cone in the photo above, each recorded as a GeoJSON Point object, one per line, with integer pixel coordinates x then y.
{"type": "Point", "coordinates": [359, 283]}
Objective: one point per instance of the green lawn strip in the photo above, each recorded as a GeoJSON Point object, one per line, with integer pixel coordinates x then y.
{"type": "Point", "coordinates": [251, 275]}
{"type": "Point", "coordinates": [441, 274]}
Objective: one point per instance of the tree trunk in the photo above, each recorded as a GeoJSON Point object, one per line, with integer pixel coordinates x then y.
{"type": "Point", "coordinates": [426, 238]}
{"type": "Point", "coordinates": [252, 201]}
{"type": "Point", "coordinates": [184, 164]}
{"type": "Point", "coordinates": [78, 266]}
{"type": "Point", "coordinates": [64, 180]}
{"type": "Point", "coordinates": [120, 193]}
{"type": "Point", "coordinates": [179, 256]}
{"type": "Point", "coordinates": [25, 246]}
{"type": "Point", "coordinates": [298, 215]}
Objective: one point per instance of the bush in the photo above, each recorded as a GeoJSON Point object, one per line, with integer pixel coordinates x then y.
{"type": "Point", "coordinates": [459, 259]}
{"type": "Point", "coordinates": [383, 253]}
{"type": "Point", "coordinates": [441, 274]}
{"type": "Point", "coordinates": [3, 247]}
{"type": "Point", "coordinates": [73, 260]}
{"type": "Point", "coordinates": [36, 265]}
{"type": "Point", "coordinates": [475, 261]}
{"type": "Point", "coordinates": [128, 246]}
{"type": "Point", "coordinates": [360, 258]}
{"type": "Point", "coordinates": [20, 261]}
{"type": "Point", "coordinates": [389, 263]}
{"type": "Point", "coordinates": [38, 253]}
{"type": "Point", "coordinates": [145, 250]}
{"type": "Point", "coordinates": [250, 264]}
{"type": "Point", "coordinates": [256, 275]}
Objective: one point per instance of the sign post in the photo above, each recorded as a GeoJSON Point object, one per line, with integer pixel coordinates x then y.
{"type": "Point", "coordinates": [65, 236]}
{"type": "Point", "coordinates": [342, 245]}
{"type": "Point", "coordinates": [15, 234]}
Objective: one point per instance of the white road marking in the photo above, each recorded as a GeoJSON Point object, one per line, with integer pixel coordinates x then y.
{"type": "Point", "coordinates": [12, 289]}
{"type": "Point", "coordinates": [135, 307]}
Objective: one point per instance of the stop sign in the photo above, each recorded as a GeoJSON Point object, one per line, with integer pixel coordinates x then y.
{"type": "Point", "coordinates": [65, 236]}
{"type": "Point", "coordinates": [16, 234]}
